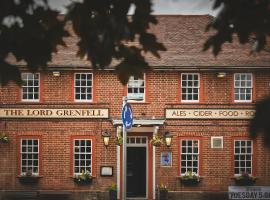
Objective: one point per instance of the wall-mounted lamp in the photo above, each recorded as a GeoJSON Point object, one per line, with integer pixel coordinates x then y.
{"type": "Point", "coordinates": [221, 74]}
{"type": "Point", "coordinates": [168, 138]}
{"type": "Point", "coordinates": [106, 137]}
{"type": "Point", "coordinates": [56, 73]}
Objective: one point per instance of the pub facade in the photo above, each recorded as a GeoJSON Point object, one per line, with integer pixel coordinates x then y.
{"type": "Point", "coordinates": [191, 118]}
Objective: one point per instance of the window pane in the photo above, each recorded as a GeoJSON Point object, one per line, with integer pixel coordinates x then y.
{"type": "Point", "coordinates": [83, 87]}
{"type": "Point", "coordinates": [190, 88]}
{"type": "Point", "coordinates": [82, 156]}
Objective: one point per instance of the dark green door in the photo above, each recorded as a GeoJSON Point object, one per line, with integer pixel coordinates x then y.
{"type": "Point", "coordinates": [136, 171]}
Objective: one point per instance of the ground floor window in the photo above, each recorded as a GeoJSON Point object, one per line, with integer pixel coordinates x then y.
{"type": "Point", "coordinates": [243, 151]}
{"type": "Point", "coordinates": [29, 156]}
{"type": "Point", "coordinates": [189, 150]}
{"type": "Point", "coordinates": [82, 154]}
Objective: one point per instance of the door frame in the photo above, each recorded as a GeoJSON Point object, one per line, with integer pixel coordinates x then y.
{"type": "Point", "coordinates": [146, 157]}
{"type": "Point", "coordinates": [149, 162]}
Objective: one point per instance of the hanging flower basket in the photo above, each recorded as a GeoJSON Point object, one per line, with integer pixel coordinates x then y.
{"type": "Point", "coordinates": [84, 178]}
{"type": "Point", "coordinates": [157, 140]}
{"type": "Point", "coordinates": [245, 180]}
{"type": "Point", "coordinates": [4, 138]}
{"type": "Point", "coordinates": [119, 140]}
{"type": "Point", "coordinates": [190, 179]}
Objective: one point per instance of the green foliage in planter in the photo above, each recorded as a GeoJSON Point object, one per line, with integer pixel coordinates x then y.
{"type": "Point", "coordinates": [162, 191]}
{"type": "Point", "coordinates": [29, 178]}
{"type": "Point", "coordinates": [245, 180]}
{"type": "Point", "coordinates": [113, 192]}
{"type": "Point", "coordinates": [119, 140]}
{"type": "Point", "coordinates": [190, 178]}
{"type": "Point", "coordinates": [83, 178]}
{"type": "Point", "coordinates": [157, 140]}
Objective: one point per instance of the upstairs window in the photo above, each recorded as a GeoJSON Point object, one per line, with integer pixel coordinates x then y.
{"type": "Point", "coordinates": [29, 156]}
{"type": "Point", "coordinates": [189, 156]}
{"type": "Point", "coordinates": [243, 152]}
{"type": "Point", "coordinates": [83, 87]}
{"type": "Point", "coordinates": [82, 156]}
{"type": "Point", "coordinates": [243, 87]}
{"type": "Point", "coordinates": [136, 89]}
{"type": "Point", "coordinates": [190, 84]}
{"type": "Point", "coordinates": [30, 86]}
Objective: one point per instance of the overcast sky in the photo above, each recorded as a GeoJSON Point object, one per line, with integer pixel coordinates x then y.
{"type": "Point", "coordinates": [184, 7]}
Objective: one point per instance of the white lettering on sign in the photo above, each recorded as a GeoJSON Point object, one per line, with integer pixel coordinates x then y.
{"type": "Point", "coordinates": [53, 113]}
{"type": "Point", "coordinates": [249, 192]}
{"type": "Point", "coordinates": [209, 113]}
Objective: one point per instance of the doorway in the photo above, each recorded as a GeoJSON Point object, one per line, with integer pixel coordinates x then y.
{"type": "Point", "coordinates": [136, 172]}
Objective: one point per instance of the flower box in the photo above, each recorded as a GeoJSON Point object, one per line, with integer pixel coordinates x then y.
{"type": "Point", "coordinates": [162, 192]}
{"type": "Point", "coordinates": [190, 182]}
{"type": "Point", "coordinates": [83, 178]}
{"type": "Point", "coordinates": [83, 181]}
{"type": "Point", "coordinates": [113, 192]}
{"type": "Point", "coordinates": [190, 178]}
{"type": "Point", "coordinates": [29, 179]}
{"type": "Point", "coordinates": [245, 180]}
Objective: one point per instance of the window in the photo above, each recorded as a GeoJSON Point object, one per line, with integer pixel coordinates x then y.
{"type": "Point", "coordinates": [190, 84]}
{"type": "Point", "coordinates": [30, 87]}
{"type": "Point", "coordinates": [136, 89]}
{"type": "Point", "coordinates": [83, 86]}
{"type": "Point", "coordinates": [82, 156]}
{"type": "Point", "coordinates": [243, 150]}
{"type": "Point", "coordinates": [217, 142]}
{"type": "Point", "coordinates": [29, 156]}
{"type": "Point", "coordinates": [243, 87]}
{"type": "Point", "coordinates": [189, 156]}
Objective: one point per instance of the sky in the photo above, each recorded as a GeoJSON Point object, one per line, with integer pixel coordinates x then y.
{"type": "Point", "coordinates": [173, 7]}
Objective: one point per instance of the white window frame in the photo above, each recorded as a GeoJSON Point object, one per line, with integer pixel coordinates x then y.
{"type": "Point", "coordinates": [144, 87]}
{"type": "Point", "coordinates": [26, 86]}
{"type": "Point", "coordinates": [192, 87]}
{"type": "Point", "coordinates": [27, 152]}
{"type": "Point", "coordinates": [243, 87]}
{"type": "Point", "coordinates": [79, 153]}
{"type": "Point", "coordinates": [87, 86]}
{"type": "Point", "coordinates": [192, 154]}
{"type": "Point", "coordinates": [212, 142]}
{"type": "Point", "coordinates": [243, 154]}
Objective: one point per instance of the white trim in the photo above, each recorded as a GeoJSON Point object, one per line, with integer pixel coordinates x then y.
{"type": "Point", "coordinates": [199, 84]}
{"type": "Point", "coordinates": [26, 152]}
{"type": "Point", "coordinates": [154, 163]}
{"type": "Point", "coordinates": [147, 164]}
{"type": "Point", "coordinates": [212, 142]}
{"type": "Point", "coordinates": [84, 153]}
{"type": "Point", "coordinates": [140, 122]}
{"type": "Point", "coordinates": [31, 100]}
{"type": "Point", "coordinates": [251, 154]}
{"type": "Point", "coordinates": [118, 167]}
{"type": "Point", "coordinates": [240, 87]}
{"type": "Point", "coordinates": [92, 87]}
{"type": "Point", "coordinates": [134, 100]}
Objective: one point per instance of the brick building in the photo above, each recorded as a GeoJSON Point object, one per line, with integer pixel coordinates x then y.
{"type": "Point", "coordinates": [56, 119]}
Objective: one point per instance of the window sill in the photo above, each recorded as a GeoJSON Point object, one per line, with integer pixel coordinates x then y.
{"type": "Point", "coordinates": [29, 179]}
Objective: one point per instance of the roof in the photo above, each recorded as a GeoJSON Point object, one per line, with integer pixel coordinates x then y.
{"type": "Point", "coordinates": [183, 36]}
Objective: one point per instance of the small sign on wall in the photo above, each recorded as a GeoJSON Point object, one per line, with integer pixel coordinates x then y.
{"type": "Point", "coordinates": [166, 159]}
{"type": "Point", "coordinates": [106, 171]}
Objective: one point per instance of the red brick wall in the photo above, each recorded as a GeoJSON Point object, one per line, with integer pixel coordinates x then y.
{"type": "Point", "coordinates": [162, 92]}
